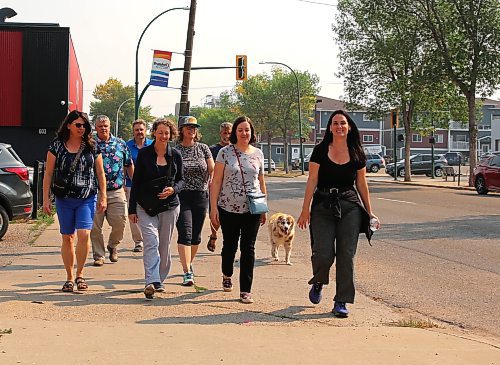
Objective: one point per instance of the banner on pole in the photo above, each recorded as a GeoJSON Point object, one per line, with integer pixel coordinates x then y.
{"type": "Point", "coordinates": [161, 68]}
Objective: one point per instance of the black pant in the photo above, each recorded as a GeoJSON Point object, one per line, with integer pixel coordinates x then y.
{"type": "Point", "coordinates": [333, 238]}
{"type": "Point", "coordinates": [234, 226]}
{"type": "Point", "coordinates": [194, 206]}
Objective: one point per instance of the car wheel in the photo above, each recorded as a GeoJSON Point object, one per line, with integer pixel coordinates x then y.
{"type": "Point", "coordinates": [481, 186]}
{"type": "Point", "coordinates": [401, 172]}
{"type": "Point", "coordinates": [374, 168]}
{"type": "Point", "coordinates": [438, 172]}
{"type": "Point", "coordinates": [4, 221]}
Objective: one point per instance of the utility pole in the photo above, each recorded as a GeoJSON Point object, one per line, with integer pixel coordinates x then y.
{"type": "Point", "coordinates": [184, 104]}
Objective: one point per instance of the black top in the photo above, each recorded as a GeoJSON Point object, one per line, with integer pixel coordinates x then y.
{"type": "Point", "coordinates": [84, 181]}
{"type": "Point", "coordinates": [342, 177]}
{"type": "Point", "coordinates": [331, 174]}
{"type": "Point", "coordinates": [146, 170]}
{"type": "Point", "coordinates": [215, 150]}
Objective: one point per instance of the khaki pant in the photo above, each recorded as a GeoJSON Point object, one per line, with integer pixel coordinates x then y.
{"type": "Point", "coordinates": [116, 215]}
{"type": "Point", "coordinates": [134, 227]}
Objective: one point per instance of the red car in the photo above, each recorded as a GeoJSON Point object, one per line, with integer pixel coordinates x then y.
{"type": "Point", "coordinates": [487, 174]}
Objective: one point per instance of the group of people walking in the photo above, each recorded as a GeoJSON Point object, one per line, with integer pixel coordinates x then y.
{"type": "Point", "coordinates": [162, 188]}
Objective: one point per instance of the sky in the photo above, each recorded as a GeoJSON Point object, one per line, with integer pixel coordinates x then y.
{"type": "Point", "coordinates": [105, 35]}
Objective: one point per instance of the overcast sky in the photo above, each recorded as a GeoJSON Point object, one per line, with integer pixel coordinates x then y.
{"type": "Point", "coordinates": [105, 34]}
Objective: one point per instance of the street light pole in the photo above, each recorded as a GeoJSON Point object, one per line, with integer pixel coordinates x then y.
{"type": "Point", "coordinates": [298, 104]}
{"type": "Point", "coordinates": [117, 113]}
{"type": "Point", "coordinates": [137, 57]}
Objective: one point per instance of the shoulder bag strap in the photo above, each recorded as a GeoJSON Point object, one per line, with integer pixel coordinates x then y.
{"type": "Point", "coordinates": [72, 169]}
{"type": "Point", "coordinates": [241, 170]}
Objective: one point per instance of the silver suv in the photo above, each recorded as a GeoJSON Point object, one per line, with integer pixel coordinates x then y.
{"type": "Point", "coordinates": [16, 200]}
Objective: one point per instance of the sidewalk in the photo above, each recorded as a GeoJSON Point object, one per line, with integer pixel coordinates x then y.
{"type": "Point", "coordinates": [111, 323]}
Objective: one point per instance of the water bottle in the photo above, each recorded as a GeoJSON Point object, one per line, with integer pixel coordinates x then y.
{"type": "Point", "coordinates": [374, 222]}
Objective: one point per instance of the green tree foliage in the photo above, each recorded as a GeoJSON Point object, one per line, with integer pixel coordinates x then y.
{"type": "Point", "coordinates": [109, 96]}
{"type": "Point", "coordinates": [387, 62]}
{"type": "Point", "coordinates": [466, 37]}
{"type": "Point", "coordinates": [210, 120]}
{"type": "Point", "coordinates": [271, 102]}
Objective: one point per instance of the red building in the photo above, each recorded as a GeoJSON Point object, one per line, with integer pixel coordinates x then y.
{"type": "Point", "coordinates": [40, 81]}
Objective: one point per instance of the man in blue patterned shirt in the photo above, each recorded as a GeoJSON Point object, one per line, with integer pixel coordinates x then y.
{"type": "Point", "coordinates": [116, 157]}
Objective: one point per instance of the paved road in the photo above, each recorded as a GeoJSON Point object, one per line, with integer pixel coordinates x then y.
{"type": "Point", "coordinates": [437, 254]}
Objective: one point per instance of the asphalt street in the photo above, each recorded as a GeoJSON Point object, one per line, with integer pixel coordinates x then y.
{"type": "Point", "coordinates": [437, 253]}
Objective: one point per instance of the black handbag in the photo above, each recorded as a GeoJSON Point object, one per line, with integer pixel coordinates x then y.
{"type": "Point", "coordinates": [148, 195]}
{"type": "Point", "coordinates": [62, 181]}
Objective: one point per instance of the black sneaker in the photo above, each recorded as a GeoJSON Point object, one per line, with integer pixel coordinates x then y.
{"type": "Point", "coordinates": [340, 310]}
{"type": "Point", "coordinates": [315, 293]}
{"type": "Point", "coordinates": [159, 287]}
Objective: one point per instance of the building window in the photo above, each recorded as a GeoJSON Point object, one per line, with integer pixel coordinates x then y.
{"type": "Point", "coordinates": [280, 150]}
{"type": "Point", "coordinates": [439, 138]}
{"type": "Point", "coordinates": [416, 138]}
{"type": "Point", "coordinates": [367, 138]}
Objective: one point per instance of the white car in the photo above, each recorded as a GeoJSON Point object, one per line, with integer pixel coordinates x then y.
{"type": "Point", "coordinates": [266, 164]}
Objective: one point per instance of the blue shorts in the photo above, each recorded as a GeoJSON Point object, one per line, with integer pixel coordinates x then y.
{"type": "Point", "coordinates": [75, 213]}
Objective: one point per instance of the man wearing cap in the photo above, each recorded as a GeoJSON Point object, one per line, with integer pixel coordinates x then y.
{"type": "Point", "coordinates": [224, 133]}
{"type": "Point", "coordinates": [115, 158]}
{"type": "Point", "coordinates": [198, 170]}
{"type": "Point", "coordinates": [134, 145]}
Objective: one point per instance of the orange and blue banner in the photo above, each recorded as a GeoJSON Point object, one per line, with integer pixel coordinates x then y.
{"type": "Point", "coordinates": [161, 68]}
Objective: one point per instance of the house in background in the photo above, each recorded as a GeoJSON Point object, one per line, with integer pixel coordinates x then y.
{"type": "Point", "coordinates": [454, 139]}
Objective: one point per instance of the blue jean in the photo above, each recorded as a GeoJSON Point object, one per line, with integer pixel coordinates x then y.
{"type": "Point", "coordinates": [157, 233]}
{"type": "Point", "coordinates": [75, 213]}
{"type": "Point", "coordinates": [333, 238]}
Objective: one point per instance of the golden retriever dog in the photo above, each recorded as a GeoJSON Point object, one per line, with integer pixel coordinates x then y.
{"type": "Point", "coordinates": [281, 232]}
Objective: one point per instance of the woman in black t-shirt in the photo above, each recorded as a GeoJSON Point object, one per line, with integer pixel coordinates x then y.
{"type": "Point", "coordinates": [337, 174]}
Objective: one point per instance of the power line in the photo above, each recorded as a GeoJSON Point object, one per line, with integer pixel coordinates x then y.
{"type": "Point", "coordinates": [317, 3]}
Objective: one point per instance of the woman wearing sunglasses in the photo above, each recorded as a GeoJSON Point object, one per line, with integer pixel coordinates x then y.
{"type": "Point", "coordinates": [75, 164]}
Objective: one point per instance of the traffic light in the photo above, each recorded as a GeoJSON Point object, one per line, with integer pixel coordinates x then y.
{"type": "Point", "coordinates": [394, 118]}
{"type": "Point", "coordinates": [401, 138]}
{"type": "Point", "coordinates": [241, 67]}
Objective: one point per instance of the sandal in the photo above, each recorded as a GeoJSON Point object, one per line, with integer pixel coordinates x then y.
{"type": "Point", "coordinates": [211, 243]}
{"type": "Point", "coordinates": [68, 287]}
{"type": "Point", "coordinates": [81, 284]}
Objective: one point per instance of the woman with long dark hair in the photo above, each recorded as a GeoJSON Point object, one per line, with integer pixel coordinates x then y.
{"type": "Point", "coordinates": [337, 181]}
{"type": "Point", "coordinates": [239, 168]}
{"type": "Point", "coordinates": [76, 205]}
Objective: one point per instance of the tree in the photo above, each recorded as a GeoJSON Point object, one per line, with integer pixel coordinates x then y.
{"type": "Point", "coordinates": [110, 96]}
{"type": "Point", "coordinates": [271, 102]}
{"type": "Point", "coordinates": [387, 62]}
{"type": "Point", "coordinates": [466, 36]}
{"type": "Point", "coordinates": [210, 120]}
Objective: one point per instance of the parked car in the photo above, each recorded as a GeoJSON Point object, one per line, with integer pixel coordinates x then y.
{"type": "Point", "coordinates": [420, 164]}
{"type": "Point", "coordinates": [374, 162]}
{"type": "Point", "coordinates": [296, 162]}
{"type": "Point", "coordinates": [16, 200]}
{"type": "Point", "coordinates": [266, 164]}
{"type": "Point", "coordinates": [486, 175]}
{"type": "Point", "coordinates": [454, 158]}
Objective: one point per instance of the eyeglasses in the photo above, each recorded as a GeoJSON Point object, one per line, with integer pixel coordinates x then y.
{"type": "Point", "coordinates": [79, 125]}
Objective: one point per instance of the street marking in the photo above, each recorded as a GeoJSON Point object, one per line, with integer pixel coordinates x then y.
{"type": "Point", "coordinates": [397, 201]}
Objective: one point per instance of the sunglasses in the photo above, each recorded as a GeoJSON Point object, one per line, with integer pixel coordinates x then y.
{"type": "Point", "coordinates": [79, 125]}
